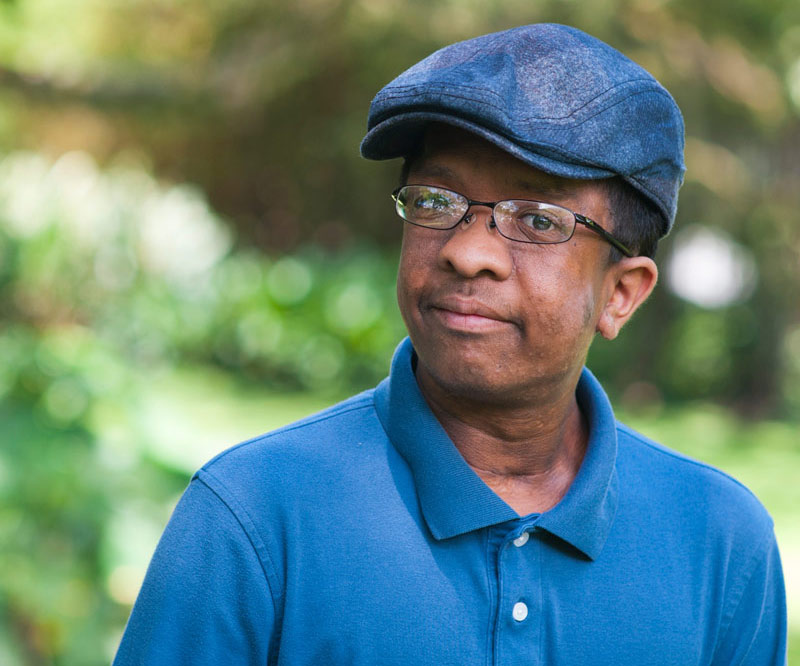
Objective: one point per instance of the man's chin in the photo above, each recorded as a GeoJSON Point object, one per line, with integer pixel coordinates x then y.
{"type": "Point", "coordinates": [479, 383]}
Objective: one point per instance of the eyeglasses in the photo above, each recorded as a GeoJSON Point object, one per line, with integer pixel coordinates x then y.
{"type": "Point", "coordinates": [515, 219]}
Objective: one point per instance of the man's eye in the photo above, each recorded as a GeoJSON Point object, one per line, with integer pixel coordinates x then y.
{"type": "Point", "coordinates": [537, 221]}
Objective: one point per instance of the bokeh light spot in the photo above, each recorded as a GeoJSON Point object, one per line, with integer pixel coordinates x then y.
{"type": "Point", "coordinates": [710, 269]}
{"type": "Point", "coordinates": [289, 281]}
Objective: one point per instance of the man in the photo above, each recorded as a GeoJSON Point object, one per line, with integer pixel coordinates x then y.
{"type": "Point", "coordinates": [482, 505]}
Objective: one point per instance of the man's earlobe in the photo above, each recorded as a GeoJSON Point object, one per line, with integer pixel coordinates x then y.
{"type": "Point", "coordinates": [630, 282]}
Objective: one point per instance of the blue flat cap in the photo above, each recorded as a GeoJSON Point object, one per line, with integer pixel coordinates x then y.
{"type": "Point", "coordinates": [552, 96]}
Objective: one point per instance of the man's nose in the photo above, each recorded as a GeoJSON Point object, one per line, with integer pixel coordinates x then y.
{"type": "Point", "coordinates": [475, 246]}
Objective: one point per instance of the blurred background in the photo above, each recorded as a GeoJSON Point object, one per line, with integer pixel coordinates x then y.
{"type": "Point", "coordinates": [192, 252]}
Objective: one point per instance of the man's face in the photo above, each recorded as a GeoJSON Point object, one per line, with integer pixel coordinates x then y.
{"type": "Point", "coordinates": [492, 319]}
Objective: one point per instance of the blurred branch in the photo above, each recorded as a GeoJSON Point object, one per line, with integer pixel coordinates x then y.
{"type": "Point", "coordinates": [147, 93]}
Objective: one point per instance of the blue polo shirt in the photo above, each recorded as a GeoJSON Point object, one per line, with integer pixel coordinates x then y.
{"type": "Point", "coordinates": [361, 536]}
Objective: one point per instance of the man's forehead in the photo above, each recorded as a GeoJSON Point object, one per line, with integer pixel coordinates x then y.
{"type": "Point", "coordinates": [442, 144]}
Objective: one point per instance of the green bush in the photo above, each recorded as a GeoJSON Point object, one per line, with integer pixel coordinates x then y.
{"type": "Point", "coordinates": [110, 283]}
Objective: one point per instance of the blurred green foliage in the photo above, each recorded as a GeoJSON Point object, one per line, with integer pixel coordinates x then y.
{"type": "Point", "coordinates": [116, 292]}
{"type": "Point", "coordinates": [261, 105]}
{"type": "Point", "coordinates": [192, 252]}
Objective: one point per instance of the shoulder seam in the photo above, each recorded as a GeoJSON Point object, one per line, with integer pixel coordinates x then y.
{"type": "Point", "coordinates": [682, 458]}
{"type": "Point", "coordinates": [737, 594]}
{"type": "Point", "coordinates": [331, 412]}
{"type": "Point", "coordinates": [258, 545]}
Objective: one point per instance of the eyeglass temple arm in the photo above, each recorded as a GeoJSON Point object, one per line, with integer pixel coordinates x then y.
{"type": "Point", "coordinates": [591, 224]}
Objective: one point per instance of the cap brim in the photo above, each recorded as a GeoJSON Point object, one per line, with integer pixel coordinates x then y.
{"type": "Point", "coordinates": [400, 135]}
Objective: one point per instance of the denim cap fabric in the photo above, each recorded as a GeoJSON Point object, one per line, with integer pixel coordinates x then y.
{"type": "Point", "coordinates": [552, 96]}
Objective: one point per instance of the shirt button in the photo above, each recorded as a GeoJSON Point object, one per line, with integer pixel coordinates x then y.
{"type": "Point", "coordinates": [519, 612]}
{"type": "Point", "coordinates": [522, 539]}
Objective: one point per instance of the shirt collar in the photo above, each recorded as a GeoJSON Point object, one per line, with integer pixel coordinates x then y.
{"type": "Point", "coordinates": [585, 514]}
{"type": "Point", "coordinates": [453, 498]}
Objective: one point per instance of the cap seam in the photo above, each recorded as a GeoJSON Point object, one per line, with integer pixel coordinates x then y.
{"type": "Point", "coordinates": [501, 109]}
{"type": "Point", "coordinates": [409, 86]}
{"type": "Point", "coordinates": [613, 104]}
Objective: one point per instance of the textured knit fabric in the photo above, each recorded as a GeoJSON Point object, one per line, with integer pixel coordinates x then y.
{"type": "Point", "coordinates": [361, 536]}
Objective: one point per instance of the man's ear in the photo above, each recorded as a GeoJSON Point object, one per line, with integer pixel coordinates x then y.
{"type": "Point", "coordinates": [630, 282]}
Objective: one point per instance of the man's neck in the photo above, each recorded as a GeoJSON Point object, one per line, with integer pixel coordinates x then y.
{"type": "Point", "coordinates": [528, 455]}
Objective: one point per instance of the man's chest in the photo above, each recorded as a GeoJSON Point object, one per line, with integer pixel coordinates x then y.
{"type": "Point", "coordinates": [490, 597]}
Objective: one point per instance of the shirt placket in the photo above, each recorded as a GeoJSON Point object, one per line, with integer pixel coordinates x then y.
{"type": "Point", "coordinates": [519, 603]}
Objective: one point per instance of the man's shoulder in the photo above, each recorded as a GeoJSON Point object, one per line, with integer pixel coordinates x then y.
{"type": "Point", "coordinates": [312, 467]}
{"type": "Point", "coordinates": [328, 433]}
{"type": "Point", "coordinates": [687, 486]}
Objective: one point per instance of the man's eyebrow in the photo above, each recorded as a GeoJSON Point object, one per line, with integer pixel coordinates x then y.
{"type": "Point", "coordinates": [436, 171]}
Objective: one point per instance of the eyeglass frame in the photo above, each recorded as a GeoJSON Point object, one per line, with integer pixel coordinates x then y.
{"type": "Point", "coordinates": [579, 219]}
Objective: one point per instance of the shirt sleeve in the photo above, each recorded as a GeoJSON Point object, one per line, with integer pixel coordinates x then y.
{"type": "Point", "coordinates": [756, 635]}
{"type": "Point", "coordinates": [205, 598]}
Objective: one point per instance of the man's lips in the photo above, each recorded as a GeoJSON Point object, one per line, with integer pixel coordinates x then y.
{"type": "Point", "coordinates": [467, 315]}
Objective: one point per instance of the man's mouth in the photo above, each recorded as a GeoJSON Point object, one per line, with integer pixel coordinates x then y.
{"type": "Point", "coordinates": [468, 315]}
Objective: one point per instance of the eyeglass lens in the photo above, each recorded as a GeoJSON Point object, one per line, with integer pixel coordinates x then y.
{"type": "Point", "coordinates": [520, 220]}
